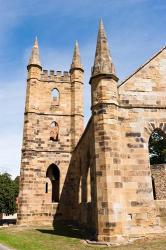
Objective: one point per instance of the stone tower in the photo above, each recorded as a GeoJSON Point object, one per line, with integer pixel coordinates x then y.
{"type": "Point", "coordinates": [53, 124]}
{"type": "Point", "coordinates": [106, 135]}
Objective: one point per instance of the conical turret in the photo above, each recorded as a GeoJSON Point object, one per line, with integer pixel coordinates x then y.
{"type": "Point", "coordinates": [76, 62]}
{"type": "Point", "coordinates": [103, 62]}
{"type": "Point", "coordinates": [77, 73]}
{"type": "Point", "coordinates": [35, 57]}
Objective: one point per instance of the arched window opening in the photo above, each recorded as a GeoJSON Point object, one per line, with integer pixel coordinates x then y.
{"type": "Point", "coordinates": [80, 191]}
{"type": "Point", "coordinates": [54, 131]}
{"type": "Point", "coordinates": [88, 186]}
{"type": "Point", "coordinates": [53, 174]}
{"type": "Point", "coordinates": [157, 147]}
{"type": "Point", "coordinates": [55, 97]}
{"type": "Point", "coordinates": [157, 155]}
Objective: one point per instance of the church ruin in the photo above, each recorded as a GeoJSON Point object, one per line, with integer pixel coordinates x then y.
{"type": "Point", "coordinates": [99, 176]}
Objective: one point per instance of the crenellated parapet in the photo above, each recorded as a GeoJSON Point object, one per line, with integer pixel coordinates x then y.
{"type": "Point", "coordinates": [57, 76]}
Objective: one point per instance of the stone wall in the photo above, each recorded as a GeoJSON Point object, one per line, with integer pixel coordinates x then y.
{"type": "Point", "coordinates": [161, 212]}
{"type": "Point", "coordinates": [141, 110]}
{"type": "Point", "coordinates": [159, 180]}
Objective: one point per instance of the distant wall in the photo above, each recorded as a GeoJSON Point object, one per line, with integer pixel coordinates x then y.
{"type": "Point", "coordinates": [159, 180]}
{"type": "Point", "coordinates": [9, 217]}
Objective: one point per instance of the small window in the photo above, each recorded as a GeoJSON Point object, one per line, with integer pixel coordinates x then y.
{"type": "Point", "coordinates": [55, 97]}
{"type": "Point", "coordinates": [154, 188]}
{"type": "Point", "coordinates": [46, 191]}
{"type": "Point", "coordinates": [54, 131]}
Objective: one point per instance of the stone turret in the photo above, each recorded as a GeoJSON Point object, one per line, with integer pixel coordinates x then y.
{"type": "Point", "coordinates": [103, 72]}
{"type": "Point", "coordinates": [34, 66]}
{"type": "Point", "coordinates": [77, 73]}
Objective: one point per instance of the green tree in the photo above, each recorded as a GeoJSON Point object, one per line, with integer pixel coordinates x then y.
{"type": "Point", "coordinates": [8, 194]}
{"type": "Point", "coordinates": [157, 147]}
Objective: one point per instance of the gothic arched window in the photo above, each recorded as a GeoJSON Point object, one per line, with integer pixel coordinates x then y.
{"type": "Point", "coordinates": [55, 97]}
{"type": "Point", "coordinates": [157, 155]}
{"type": "Point", "coordinates": [157, 147]}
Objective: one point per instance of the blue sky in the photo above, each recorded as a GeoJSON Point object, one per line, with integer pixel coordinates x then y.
{"type": "Point", "coordinates": [135, 29]}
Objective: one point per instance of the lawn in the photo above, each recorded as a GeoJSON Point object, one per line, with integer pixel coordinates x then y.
{"type": "Point", "coordinates": [22, 238]}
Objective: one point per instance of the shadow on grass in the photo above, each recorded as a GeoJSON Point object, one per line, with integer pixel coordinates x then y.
{"type": "Point", "coordinates": [67, 230]}
{"type": "Point", "coordinates": [7, 222]}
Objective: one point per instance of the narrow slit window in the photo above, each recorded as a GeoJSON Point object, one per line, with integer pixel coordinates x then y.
{"type": "Point", "coordinates": [46, 191]}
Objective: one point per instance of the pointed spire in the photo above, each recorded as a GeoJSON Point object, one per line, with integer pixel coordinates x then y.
{"type": "Point", "coordinates": [35, 57]}
{"type": "Point", "coordinates": [103, 62]}
{"type": "Point", "coordinates": [76, 62]}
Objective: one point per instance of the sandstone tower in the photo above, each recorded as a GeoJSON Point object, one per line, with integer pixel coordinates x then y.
{"type": "Point", "coordinates": [101, 177]}
{"type": "Point", "coordinates": [53, 124]}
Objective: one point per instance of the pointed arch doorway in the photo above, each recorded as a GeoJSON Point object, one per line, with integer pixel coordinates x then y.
{"type": "Point", "coordinates": [53, 174]}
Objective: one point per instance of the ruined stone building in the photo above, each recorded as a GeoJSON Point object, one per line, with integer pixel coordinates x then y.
{"type": "Point", "coordinates": [99, 176]}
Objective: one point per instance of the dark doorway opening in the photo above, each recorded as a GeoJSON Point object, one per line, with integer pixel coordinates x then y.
{"type": "Point", "coordinates": [53, 174]}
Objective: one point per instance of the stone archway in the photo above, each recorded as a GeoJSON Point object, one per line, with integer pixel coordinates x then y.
{"type": "Point", "coordinates": [151, 126]}
{"type": "Point", "coordinates": [53, 174]}
{"type": "Point", "coordinates": [157, 166]}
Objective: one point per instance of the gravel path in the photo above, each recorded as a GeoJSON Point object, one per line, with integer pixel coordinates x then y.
{"type": "Point", "coordinates": [4, 248]}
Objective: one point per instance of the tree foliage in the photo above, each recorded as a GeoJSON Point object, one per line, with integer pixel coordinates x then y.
{"type": "Point", "coordinates": [8, 194]}
{"type": "Point", "coordinates": [157, 147]}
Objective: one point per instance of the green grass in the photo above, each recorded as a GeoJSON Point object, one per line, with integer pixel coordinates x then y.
{"type": "Point", "coordinates": [63, 239]}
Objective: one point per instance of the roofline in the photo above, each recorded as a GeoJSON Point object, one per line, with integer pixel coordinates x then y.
{"type": "Point", "coordinates": [142, 66]}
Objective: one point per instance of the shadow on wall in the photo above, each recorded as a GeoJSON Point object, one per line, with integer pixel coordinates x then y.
{"type": "Point", "coordinates": [76, 202]}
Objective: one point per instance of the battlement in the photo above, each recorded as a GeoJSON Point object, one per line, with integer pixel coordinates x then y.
{"type": "Point", "coordinates": [55, 76]}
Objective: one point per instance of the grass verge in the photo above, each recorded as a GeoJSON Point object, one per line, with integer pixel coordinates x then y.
{"type": "Point", "coordinates": [21, 238]}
